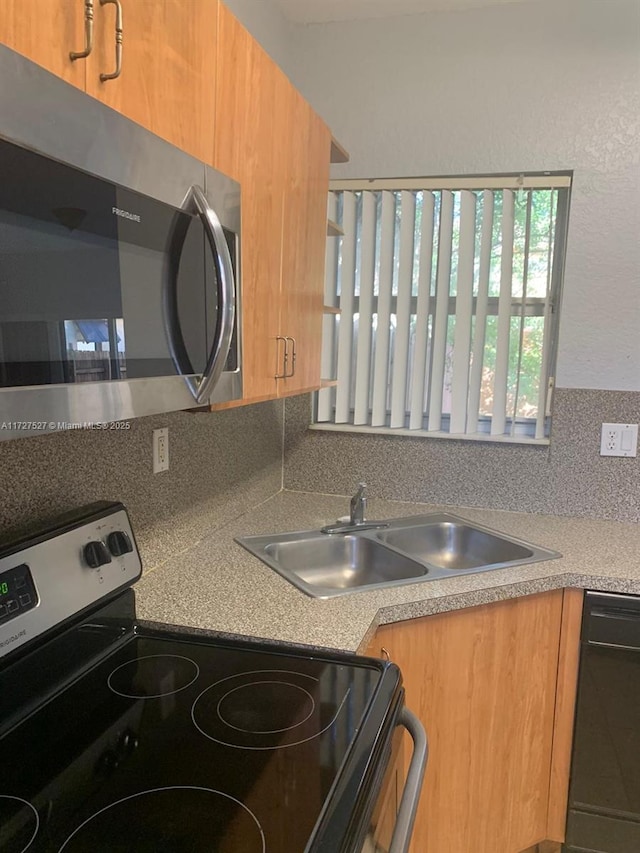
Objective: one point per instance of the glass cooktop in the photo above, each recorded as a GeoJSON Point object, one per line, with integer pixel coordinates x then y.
{"type": "Point", "coordinates": [174, 745]}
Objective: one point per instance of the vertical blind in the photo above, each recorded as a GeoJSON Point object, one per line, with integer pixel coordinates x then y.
{"type": "Point", "coordinates": [448, 298]}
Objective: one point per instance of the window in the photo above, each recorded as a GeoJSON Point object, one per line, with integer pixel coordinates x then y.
{"type": "Point", "coordinates": [442, 306]}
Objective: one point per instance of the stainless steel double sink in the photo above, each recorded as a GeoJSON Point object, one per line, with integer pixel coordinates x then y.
{"type": "Point", "coordinates": [400, 551]}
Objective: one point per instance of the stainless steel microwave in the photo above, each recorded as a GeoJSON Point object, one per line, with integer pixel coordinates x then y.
{"type": "Point", "coordinates": [119, 264]}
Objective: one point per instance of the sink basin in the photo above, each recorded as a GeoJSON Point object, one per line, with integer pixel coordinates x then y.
{"type": "Point", "coordinates": [455, 546]}
{"type": "Point", "coordinates": [324, 566]}
{"type": "Point", "coordinates": [406, 550]}
{"type": "Point", "coordinates": [336, 563]}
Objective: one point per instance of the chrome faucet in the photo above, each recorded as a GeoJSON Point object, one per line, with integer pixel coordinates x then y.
{"type": "Point", "coordinates": [356, 516]}
{"type": "Point", "coordinates": [358, 505]}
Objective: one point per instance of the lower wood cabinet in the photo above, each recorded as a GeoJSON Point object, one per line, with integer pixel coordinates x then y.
{"type": "Point", "coordinates": [498, 711]}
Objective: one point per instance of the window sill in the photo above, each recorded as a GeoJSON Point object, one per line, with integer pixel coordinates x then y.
{"type": "Point", "coordinates": [419, 433]}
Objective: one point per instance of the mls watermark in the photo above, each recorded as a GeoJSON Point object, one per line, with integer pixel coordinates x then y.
{"type": "Point", "coordinates": [51, 426]}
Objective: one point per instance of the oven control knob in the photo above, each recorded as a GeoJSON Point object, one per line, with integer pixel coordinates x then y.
{"type": "Point", "coordinates": [96, 554]}
{"type": "Point", "coordinates": [119, 543]}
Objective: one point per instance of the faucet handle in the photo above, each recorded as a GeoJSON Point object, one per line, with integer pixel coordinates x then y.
{"type": "Point", "coordinates": [359, 495]}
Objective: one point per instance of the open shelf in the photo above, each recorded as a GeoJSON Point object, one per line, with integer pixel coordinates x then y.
{"type": "Point", "coordinates": [333, 229]}
{"type": "Point", "coordinates": [328, 383]}
{"type": "Point", "coordinates": [331, 309]}
{"type": "Point", "coordinates": [338, 153]}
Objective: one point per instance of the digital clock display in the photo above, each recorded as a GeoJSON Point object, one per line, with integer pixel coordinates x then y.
{"type": "Point", "coordinates": [17, 593]}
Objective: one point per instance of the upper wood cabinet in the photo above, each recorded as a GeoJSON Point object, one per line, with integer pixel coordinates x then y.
{"type": "Point", "coordinates": [167, 62]}
{"type": "Point", "coordinates": [303, 244]}
{"type": "Point", "coordinates": [189, 72]}
{"type": "Point", "coordinates": [268, 138]}
{"type": "Point", "coordinates": [252, 102]}
{"type": "Point", "coordinates": [47, 34]}
{"type": "Point", "coordinates": [167, 78]}
{"type": "Point", "coordinates": [485, 683]}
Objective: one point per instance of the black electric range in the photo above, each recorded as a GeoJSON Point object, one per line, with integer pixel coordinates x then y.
{"type": "Point", "coordinates": [118, 735]}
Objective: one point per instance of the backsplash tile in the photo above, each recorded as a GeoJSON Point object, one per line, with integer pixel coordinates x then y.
{"type": "Point", "coordinates": [220, 464]}
{"type": "Point", "coordinates": [226, 463]}
{"type": "Point", "coordinates": [567, 478]}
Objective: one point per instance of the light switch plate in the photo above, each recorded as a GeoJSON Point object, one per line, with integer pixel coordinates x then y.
{"type": "Point", "coordinates": [619, 440]}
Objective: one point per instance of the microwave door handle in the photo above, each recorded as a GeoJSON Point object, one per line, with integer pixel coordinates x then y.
{"type": "Point", "coordinates": [200, 388]}
{"type": "Point", "coordinates": [172, 328]}
{"type": "Point", "coordinates": [226, 294]}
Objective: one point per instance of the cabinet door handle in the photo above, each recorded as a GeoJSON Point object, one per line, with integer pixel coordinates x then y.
{"type": "Point", "coordinates": [385, 653]}
{"type": "Point", "coordinates": [88, 33]}
{"type": "Point", "coordinates": [294, 355]}
{"type": "Point", "coordinates": [284, 373]}
{"type": "Point", "coordinates": [118, 70]}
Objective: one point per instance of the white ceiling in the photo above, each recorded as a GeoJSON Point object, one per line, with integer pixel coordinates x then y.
{"type": "Point", "coordinates": [321, 11]}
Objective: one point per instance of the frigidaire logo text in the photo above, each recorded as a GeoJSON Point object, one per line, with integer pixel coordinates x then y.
{"type": "Point", "coordinates": [13, 639]}
{"type": "Point", "coordinates": [125, 214]}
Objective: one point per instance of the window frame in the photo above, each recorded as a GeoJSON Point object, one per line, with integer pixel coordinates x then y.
{"type": "Point", "coordinates": [533, 306]}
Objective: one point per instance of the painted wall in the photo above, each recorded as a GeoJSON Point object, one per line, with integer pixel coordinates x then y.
{"type": "Point", "coordinates": [521, 87]}
{"type": "Point", "coordinates": [267, 24]}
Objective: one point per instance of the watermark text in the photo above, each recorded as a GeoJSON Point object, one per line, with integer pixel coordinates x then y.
{"type": "Point", "coordinates": [51, 426]}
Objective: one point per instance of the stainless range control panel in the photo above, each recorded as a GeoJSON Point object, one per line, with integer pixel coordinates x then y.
{"type": "Point", "coordinates": [57, 575]}
{"type": "Point", "coordinates": [17, 593]}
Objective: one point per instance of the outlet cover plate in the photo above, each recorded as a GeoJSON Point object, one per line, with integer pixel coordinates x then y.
{"type": "Point", "coordinates": [160, 450]}
{"type": "Point", "coordinates": [619, 440]}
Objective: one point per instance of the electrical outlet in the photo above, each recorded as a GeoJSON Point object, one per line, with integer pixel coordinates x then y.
{"type": "Point", "coordinates": [160, 450]}
{"type": "Point", "coordinates": [619, 440]}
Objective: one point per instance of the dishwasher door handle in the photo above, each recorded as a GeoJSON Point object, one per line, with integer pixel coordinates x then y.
{"type": "Point", "coordinates": [411, 794]}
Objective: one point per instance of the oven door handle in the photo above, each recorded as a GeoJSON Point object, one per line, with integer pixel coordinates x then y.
{"type": "Point", "coordinates": [201, 388]}
{"type": "Point", "coordinates": [413, 786]}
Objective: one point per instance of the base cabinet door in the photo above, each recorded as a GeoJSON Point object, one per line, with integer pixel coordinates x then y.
{"type": "Point", "coordinates": [483, 682]}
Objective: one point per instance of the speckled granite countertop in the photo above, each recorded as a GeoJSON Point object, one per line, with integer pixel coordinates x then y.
{"type": "Point", "coordinates": [218, 585]}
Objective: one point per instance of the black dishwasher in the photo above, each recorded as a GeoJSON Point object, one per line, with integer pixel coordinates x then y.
{"type": "Point", "coordinates": [604, 794]}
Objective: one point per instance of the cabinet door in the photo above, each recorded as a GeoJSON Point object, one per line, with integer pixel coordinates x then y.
{"type": "Point", "coordinates": [483, 682]}
{"type": "Point", "coordinates": [252, 100]}
{"type": "Point", "coordinates": [304, 243]}
{"type": "Point", "coordinates": [47, 35]}
{"type": "Point", "coordinates": [167, 82]}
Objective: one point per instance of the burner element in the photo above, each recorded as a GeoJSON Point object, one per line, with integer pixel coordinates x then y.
{"type": "Point", "coordinates": [152, 676]}
{"type": "Point", "coordinates": [183, 817]}
{"type": "Point", "coordinates": [19, 823]}
{"type": "Point", "coordinates": [264, 709]}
